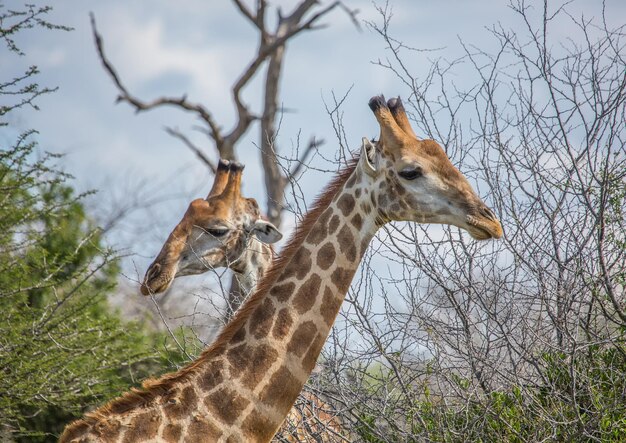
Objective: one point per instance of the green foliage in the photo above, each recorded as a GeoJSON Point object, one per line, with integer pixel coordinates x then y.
{"type": "Point", "coordinates": [21, 90]}
{"type": "Point", "coordinates": [19, 20]}
{"type": "Point", "coordinates": [582, 399]}
{"type": "Point", "coordinates": [364, 426]}
{"type": "Point", "coordinates": [61, 348]}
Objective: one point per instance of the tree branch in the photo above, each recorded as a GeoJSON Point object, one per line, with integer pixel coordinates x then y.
{"type": "Point", "coordinates": [144, 106]}
{"type": "Point", "coordinates": [179, 135]}
{"type": "Point", "coordinates": [313, 144]}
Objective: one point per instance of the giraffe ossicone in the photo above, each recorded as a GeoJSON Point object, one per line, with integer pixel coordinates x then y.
{"type": "Point", "coordinates": [243, 385]}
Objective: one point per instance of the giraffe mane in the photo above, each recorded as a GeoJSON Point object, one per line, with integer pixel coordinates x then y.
{"type": "Point", "coordinates": [154, 387]}
{"type": "Point", "coordinates": [281, 260]}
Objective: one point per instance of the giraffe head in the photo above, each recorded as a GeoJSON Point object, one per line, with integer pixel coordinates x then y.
{"type": "Point", "coordinates": [214, 232]}
{"type": "Point", "coordinates": [415, 181]}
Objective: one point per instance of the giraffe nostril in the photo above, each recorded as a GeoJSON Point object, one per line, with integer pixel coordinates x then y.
{"type": "Point", "coordinates": [485, 211]}
{"type": "Point", "coordinates": [153, 272]}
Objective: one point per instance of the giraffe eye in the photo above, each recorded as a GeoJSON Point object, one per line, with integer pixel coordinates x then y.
{"type": "Point", "coordinates": [411, 173]}
{"type": "Point", "coordinates": [217, 232]}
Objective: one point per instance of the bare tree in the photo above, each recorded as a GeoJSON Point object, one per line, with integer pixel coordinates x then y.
{"type": "Point", "coordinates": [272, 43]}
{"type": "Point", "coordinates": [519, 340]}
{"type": "Point", "coordinates": [305, 16]}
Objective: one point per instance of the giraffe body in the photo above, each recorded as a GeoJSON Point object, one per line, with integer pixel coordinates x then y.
{"type": "Point", "coordinates": [241, 388]}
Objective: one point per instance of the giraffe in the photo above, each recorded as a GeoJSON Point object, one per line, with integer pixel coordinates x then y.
{"type": "Point", "coordinates": [243, 385]}
{"type": "Point", "coordinates": [223, 230]}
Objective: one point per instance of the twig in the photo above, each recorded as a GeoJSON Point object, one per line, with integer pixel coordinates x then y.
{"type": "Point", "coordinates": [144, 106]}
{"type": "Point", "coordinates": [179, 135]}
{"type": "Point", "coordinates": [313, 144]}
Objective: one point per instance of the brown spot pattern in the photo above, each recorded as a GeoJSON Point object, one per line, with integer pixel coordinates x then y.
{"type": "Point", "coordinates": [282, 389]}
{"type": "Point", "coordinates": [282, 324]}
{"type": "Point", "coordinates": [330, 306]}
{"type": "Point", "coordinates": [172, 433]}
{"type": "Point", "coordinates": [334, 224]}
{"type": "Point", "coordinates": [257, 427]}
{"type": "Point", "coordinates": [212, 376]}
{"type": "Point", "coordinates": [261, 319]}
{"type": "Point", "coordinates": [283, 292]}
{"type": "Point", "coordinates": [238, 336]}
{"type": "Point", "coordinates": [346, 204]}
{"type": "Point", "coordinates": [357, 221]}
{"type": "Point", "coordinates": [178, 404]}
{"type": "Point", "coordinates": [346, 243]}
{"type": "Point", "coordinates": [351, 181]}
{"type": "Point", "coordinates": [143, 427]}
{"type": "Point", "coordinates": [305, 297]}
{"type": "Point", "coordinates": [320, 230]}
{"type": "Point", "coordinates": [302, 338]}
{"type": "Point", "coordinates": [262, 358]}
{"type": "Point", "coordinates": [342, 278]}
{"type": "Point", "coordinates": [382, 200]}
{"type": "Point", "coordinates": [300, 264]}
{"type": "Point", "coordinates": [201, 430]}
{"type": "Point", "coordinates": [238, 358]}
{"type": "Point", "coordinates": [326, 256]}
{"type": "Point", "coordinates": [189, 399]}
{"type": "Point", "coordinates": [309, 360]}
{"type": "Point", "coordinates": [250, 363]}
{"type": "Point", "coordinates": [226, 405]}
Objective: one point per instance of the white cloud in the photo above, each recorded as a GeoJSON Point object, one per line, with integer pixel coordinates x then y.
{"type": "Point", "coordinates": [143, 50]}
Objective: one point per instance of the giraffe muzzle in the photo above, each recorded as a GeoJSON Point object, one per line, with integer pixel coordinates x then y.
{"type": "Point", "coordinates": [484, 226]}
{"type": "Point", "coordinates": [155, 280]}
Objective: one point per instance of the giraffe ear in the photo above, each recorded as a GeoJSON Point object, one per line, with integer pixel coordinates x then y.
{"type": "Point", "coordinates": [368, 157]}
{"type": "Point", "coordinates": [266, 232]}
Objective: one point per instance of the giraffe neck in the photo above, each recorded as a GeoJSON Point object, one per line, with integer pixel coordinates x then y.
{"type": "Point", "coordinates": [250, 266]}
{"type": "Point", "coordinates": [243, 386]}
{"type": "Point", "coordinates": [281, 331]}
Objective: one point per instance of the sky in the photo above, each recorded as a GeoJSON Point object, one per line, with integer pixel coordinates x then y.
{"type": "Point", "coordinates": [199, 48]}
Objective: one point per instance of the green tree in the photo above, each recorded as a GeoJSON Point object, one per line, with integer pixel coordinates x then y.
{"type": "Point", "coordinates": [61, 347]}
